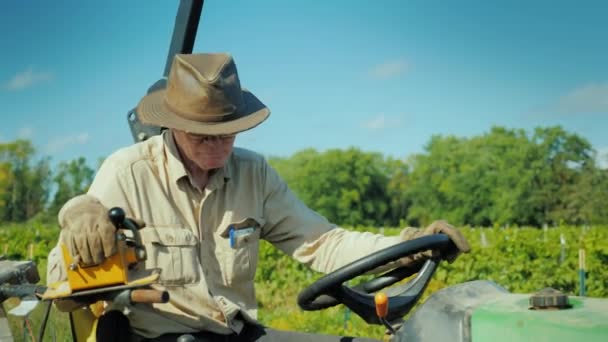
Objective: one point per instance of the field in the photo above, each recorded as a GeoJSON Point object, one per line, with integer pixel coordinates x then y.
{"type": "Point", "coordinates": [520, 259]}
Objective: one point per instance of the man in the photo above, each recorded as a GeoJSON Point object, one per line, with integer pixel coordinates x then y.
{"type": "Point", "coordinates": [206, 205]}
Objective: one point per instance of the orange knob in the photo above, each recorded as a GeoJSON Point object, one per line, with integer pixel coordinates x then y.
{"type": "Point", "coordinates": [381, 301]}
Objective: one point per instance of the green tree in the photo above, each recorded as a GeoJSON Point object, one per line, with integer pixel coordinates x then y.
{"type": "Point", "coordinates": [71, 178]}
{"type": "Point", "coordinates": [348, 187]}
{"type": "Point", "coordinates": [505, 176]}
{"type": "Point", "coordinates": [503, 164]}
{"type": "Point", "coordinates": [25, 193]}
{"type": "Point", "coordinates": [586, 200]}
{"type": "Point", "coordinates": [440, 182]}
{"type": "Point", "coordinates": [559, 161]}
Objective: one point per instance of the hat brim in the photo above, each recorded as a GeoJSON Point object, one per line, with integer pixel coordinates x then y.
{"type": "Point", "coordinates": [152, 110]}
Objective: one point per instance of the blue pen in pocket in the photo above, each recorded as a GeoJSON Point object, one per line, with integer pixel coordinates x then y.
{"type": "Point", "coordinates": [231, 232]}
{"type": "Point", "coordinates": [235, 233]}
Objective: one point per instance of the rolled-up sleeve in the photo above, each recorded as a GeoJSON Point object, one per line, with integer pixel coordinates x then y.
{"type": "Point", "coordinates": [55, 270]}
{"type": "Point", "coordinates": [309, 237]}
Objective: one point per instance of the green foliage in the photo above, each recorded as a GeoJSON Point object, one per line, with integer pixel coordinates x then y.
{"type": "Point", "coordinates": [507, 177]}
{"type": "Point", "coordinates": [503, 177]}
{"type": "Point", "coordinates": [586, 199]}
{"type": "Point", "coordinates": [72, 178]}
{"type": "Point", "coordinates": [348, 187]}
{"type": "Point", "coordinates": [523, 260]}
{"type": "Point", "coordinates": [24, 184]}
{"type": "Point", "coordinates": [528, 259]}
{"type": "Point", "coordinates": [15, 241]}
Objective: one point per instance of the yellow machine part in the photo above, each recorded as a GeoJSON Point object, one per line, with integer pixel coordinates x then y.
{"type": "Point", "coordinates": [84, 322]}
{"type": "Point", "coordinates": [113, 270]}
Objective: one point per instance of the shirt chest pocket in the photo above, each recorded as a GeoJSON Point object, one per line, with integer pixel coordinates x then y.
{"type": "Point", "coordinates": [238, 243]}
{"type": "Point", "coordinates": [175, 252]}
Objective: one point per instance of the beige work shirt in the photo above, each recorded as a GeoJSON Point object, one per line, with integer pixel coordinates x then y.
{"type": "Point", "coordinates": [187, 233]}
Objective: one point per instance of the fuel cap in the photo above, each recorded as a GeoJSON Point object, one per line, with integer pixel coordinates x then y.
{"type": "Point", "coordinates": [549, 299]}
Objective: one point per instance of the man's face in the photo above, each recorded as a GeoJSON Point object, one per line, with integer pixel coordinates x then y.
{"type": "Point", "coordinates": [206, 151]}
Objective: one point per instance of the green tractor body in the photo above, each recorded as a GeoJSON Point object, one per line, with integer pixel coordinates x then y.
{"type": "Point", "coordinates": [481, 311]}
{"type": "Point", "coordinates": [509, 318]}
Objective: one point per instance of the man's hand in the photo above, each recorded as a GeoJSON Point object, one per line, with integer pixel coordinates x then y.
{"type": "Point", "coordinates": [436, 227]}
{"type": "Point", "coordinates": [87, 230]}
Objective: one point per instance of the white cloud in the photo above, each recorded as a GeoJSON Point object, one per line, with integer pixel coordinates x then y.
{"type": "Point", "coordinates": [376, 123]}
{"type": "Point", "coordinates": [28, 78]}
{"type": "Point", "coordinates": [25, 133]}
{"type": "Point", "coordinates": [588, 99]}
{"type": "Point", "coordinates": [380, 122]}
{"type": "Point", "coordinates": [389, 69]}
{"type": "Point", "coordinates": [59, 143]}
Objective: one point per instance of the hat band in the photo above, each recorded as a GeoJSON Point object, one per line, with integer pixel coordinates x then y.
{"type": "Point", "coordinates": [200, 117]}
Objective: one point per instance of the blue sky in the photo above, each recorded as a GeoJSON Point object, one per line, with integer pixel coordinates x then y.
{"type": "Point", "coordinates": [383, 76]}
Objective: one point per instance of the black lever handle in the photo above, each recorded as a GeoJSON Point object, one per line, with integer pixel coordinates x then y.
{"type": "Point", "coordinates": [118, 217]}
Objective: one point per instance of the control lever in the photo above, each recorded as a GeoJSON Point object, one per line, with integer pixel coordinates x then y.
{"type": "Point", "coordinates": [381, 301]}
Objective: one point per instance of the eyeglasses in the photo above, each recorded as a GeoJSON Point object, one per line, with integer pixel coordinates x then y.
{"type": "Point", "coordinates": [210, 139]}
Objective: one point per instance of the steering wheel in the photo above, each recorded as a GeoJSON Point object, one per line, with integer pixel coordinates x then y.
{"type": "Point", "coordinates": [330, 291]}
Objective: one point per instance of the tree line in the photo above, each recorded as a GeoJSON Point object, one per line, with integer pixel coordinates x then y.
{"type": "Point", "coordinates": [29, 188]}
{"type": "Point", "coordinates": [502, 177]}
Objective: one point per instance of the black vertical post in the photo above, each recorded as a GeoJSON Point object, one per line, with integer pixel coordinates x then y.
{"type": "Point", "coordinates": [184, 31]}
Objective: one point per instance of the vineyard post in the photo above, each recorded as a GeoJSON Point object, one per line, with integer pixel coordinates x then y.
{"type": "Point", "coordinates": [346, 319]}
{"type": "Point", "coordinates": [562, 242]}
{"type": "Point", "coordinates": [483, 239]}
{"type": "Point", "coordinates": [586, 227]}
{"type": "Point", "coordinates": [581, 272]}
{"type": "Point", "coordinates": [30, 251]}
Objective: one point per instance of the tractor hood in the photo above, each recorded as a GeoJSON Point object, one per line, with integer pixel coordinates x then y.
{"type": "Point", "coordinates": [509, 318]}
{"type": "Point", "coordinates": [484, 311]}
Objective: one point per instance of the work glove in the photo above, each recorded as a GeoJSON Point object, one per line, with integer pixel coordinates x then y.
{"type": "Point", "coordinates": [87, 231]}
{"type": "Point", "coordinates": [462, 245]}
